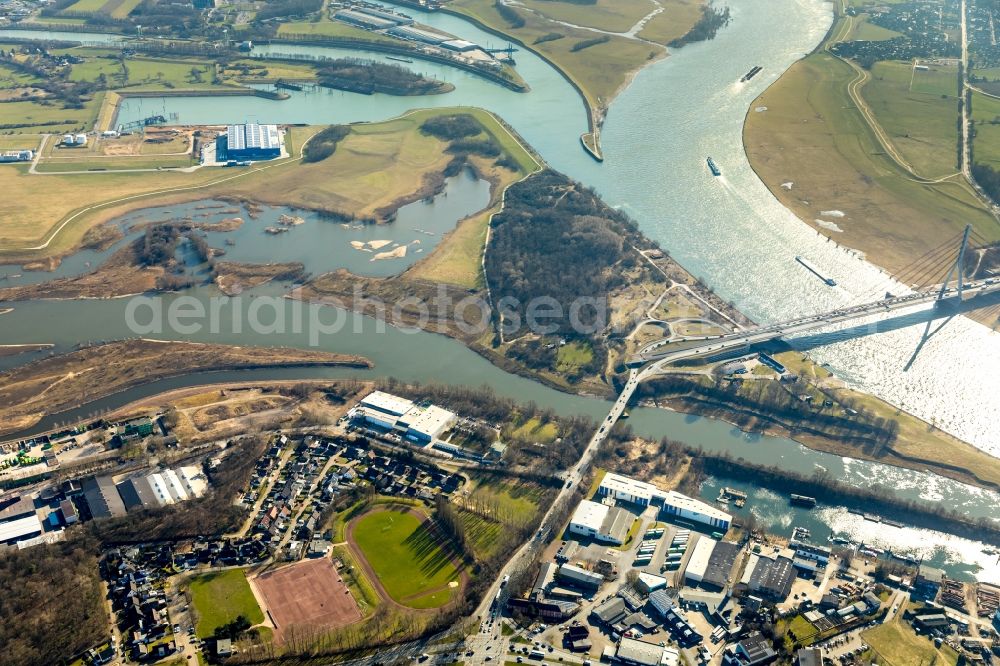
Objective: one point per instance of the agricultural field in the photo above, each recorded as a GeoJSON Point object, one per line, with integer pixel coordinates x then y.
{"type": "Point", "coordinates": [220, 597]}
{"type": "Point", "coordinates": [676, 19]}
{"type": "Point", "coordinates": [919, 118]}
{"type": "Point", "coordinates": [610, 15]}
{"type": "Point", "coordinates": [600, 70]}
{"type": "Point", "coordinates": [813, 136]}
{"type": "Point", "coordinates": [410, 561]}
{"type": "Point", "coordinates": [986, 115]}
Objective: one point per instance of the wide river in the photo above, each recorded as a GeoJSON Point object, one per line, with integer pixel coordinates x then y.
{"type": "Point", "coordinates": [731, 232]}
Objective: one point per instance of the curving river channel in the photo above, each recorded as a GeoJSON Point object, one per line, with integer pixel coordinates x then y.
{"type": "Point", "coordinates": [730, 231]}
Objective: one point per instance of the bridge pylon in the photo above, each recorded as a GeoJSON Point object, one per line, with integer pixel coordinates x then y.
{"type": "Point", "coordinates": [958, 268]}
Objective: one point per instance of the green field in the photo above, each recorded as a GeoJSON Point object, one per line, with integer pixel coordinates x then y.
{"type": "Point", "coordinates": [34, 118]}
{"type": "Point", "coordinates": [813, 135]}
{"type": "Point", "coordinates": [986, 144]}
{"type": "Point", "coordinates": [410, 561]}
{"type": "Point", "coordinates": [517, 498]}
{"type": "Point", "coordinates": [611, 15]}
{"type": "Point", "coordinates": [573, 356]}
{"type": "Point", "coordinates": [898, 645]}
{"type": "Point", "coordinates": [599, 71]}
{"type": "Point", "coordinates": [938, 80]}
{"type": "Point", "coordinates": [533, 430]}
{"type": "Point", "coordinates": [220, 597]}
{"type": "Point", "coordinates": [922, 126]}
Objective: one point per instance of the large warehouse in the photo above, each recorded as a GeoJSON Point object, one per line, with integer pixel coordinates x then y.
{"type": "Point", "coordinates": [249, 142]}
{"type": "Point", "coordinates": [600, 522]}
{"type": "Point", "coordinates": [418, 423]}
{"type": "Point", "coordinates": [697, 565]}
{"type": "Point", "coordinates": [688, 508]}
{"type": "Point", "coordinates": [673, 503]}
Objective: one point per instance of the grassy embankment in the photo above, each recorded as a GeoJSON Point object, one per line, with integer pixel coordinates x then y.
{"type": "Point", "coordinates": [597, 64]}
{"type": "Point", "coordinates": [378, 167]}
{"type": "Point", "coordinates": [219, 598]}
{"type": "Point", "coordinates": [814, 135]}
{"type": "Point", "coordinates": [140, 74]}
{"type": "Point", "coordinates": [917, 445]}
{"type": "Point", "coordinates": [65, 381]}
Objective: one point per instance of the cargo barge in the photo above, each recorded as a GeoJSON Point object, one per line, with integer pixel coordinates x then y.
{"type": "Point", "coordinates": [752, 73]}
{"type": "Point", "coordinates": [802, 500]}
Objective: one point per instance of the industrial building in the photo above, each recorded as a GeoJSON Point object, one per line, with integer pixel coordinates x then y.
{"type": "Point", "coordinates": [419, 35]}
{"type": "Point", "coordinates": [629, 490]}
{"type": "Point", "coordinates": [772, 578]}
{"type": "Point", "coordinates": [248, 142]}
{"type": "Point", "coordinates": [672, 503]}
{"type": "Point", "coordinates": [687, 508]}
{"type": "Point", "coordinates": [698, 562]}
{"type": "Point", "coordinates": [928, 582]}
{"type": "Point", "coordinates": [641, 653]}
{"type": "Point", "coordinates": [17, 156]}
{"type": "Point", "coordinates": [753, 650]}
{"type": "Point", "coordinates": [422, 424]}
{"type": "Point", "coordinates": [601, 522]}
{"type": "Point", "coordinates": [581, 577]}
{"type": "Point", "coordinates": [18, 520]}
{"type": "Point", "coordinates": [720, 565]}
{"type": "Point", "coordinates": [673, 620]}
{"type": "Point", "coordinates": [364, 19]}
{"type": "Point", "coordinates": [102, 497]}
{"type": "Point", "coordinates": [425, 424]}
{"type": "Point", "coordinates": [163, 488]}
{"type": "Point", "coordinates": [385, 15]}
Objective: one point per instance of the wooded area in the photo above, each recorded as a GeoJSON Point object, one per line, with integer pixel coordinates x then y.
{"type": "Point", "coordinates": [558, 242]}
{"type": "Point", "coordinates": [52, 605]}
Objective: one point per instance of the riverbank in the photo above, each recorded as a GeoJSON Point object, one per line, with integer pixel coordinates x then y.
{"type": "Point", "coordinates": [864, 158]}
{"type": "Point", "coordinates": [407, 165]}
{"type": "Point", "coordinates": [876, 432]}
{"type": "Point", "coordinates": [65, 381]}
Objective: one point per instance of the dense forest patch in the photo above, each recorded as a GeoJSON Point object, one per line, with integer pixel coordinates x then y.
{"type": "Point", "coordinates": [557, 243]}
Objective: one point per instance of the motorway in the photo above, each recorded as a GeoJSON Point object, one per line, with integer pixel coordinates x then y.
{"type": "Point", "coordinates": [803, 325]}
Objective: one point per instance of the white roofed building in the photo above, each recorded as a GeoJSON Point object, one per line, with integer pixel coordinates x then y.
{"type": "Point", "coordinates": [425, 424]}
{"type": "Point", "coordinates": [629, 490]}
{"type": "Point", "coordinates": [387, 403]}
{"type": "Point", "coordinates": [697, 565]}
{"type": "Point", "coordinates": [681, 506]}
{"type": "Point", "coordinates": [600, 522]}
